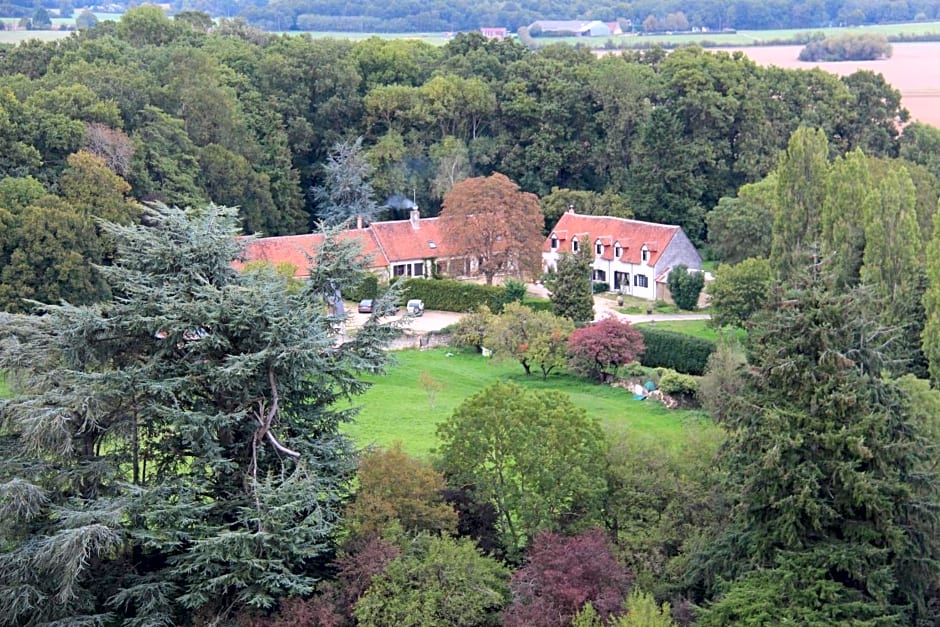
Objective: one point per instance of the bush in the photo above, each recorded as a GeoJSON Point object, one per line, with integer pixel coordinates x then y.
{"type": "Point", "coordinates": [685, 286]}
{"type": "Point", "coordinates": [449, 295]}
{"type": "Point", "coordinates": [677, 351]}
{"type": "Point", "coordinates": [599, 287]}
{"type": "Point", "coordinates": [849, 47]}
{"type": "Point", "coordinates": [677, 384]}
{"type": "Point", "coordinates": [537, 304]}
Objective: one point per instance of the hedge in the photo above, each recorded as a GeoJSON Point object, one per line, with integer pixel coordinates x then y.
{"type": "Point", "coordinates": [449, 295]}
{"type": "Point", "coordinates": [678, 351]}
{"type": "Point", "coordinates": [367, 288]}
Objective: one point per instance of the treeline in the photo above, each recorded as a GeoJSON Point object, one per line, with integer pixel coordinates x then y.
{"type": "Point", "coordinates": [463, 15]}
{"type": "Point", "coordinates": [241, 117]}
{"type": "Point", "coordinates": [851, 47]}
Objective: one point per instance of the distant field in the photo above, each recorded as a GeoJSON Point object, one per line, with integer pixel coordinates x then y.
{"type": "Point", "coordinates": [746, 37]}
{"type": "Point", "coordinates": [397, 407]}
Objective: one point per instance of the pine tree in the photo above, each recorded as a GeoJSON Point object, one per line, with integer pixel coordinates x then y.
{"type": "Point", "coordinates": [346, 191]}
{"type": "Point", "coordinates": [176, 449]}
{"type": "Point", "coordinates": [572, 296]}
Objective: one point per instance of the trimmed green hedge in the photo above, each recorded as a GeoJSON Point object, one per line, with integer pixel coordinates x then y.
{"type": "Point", "coordinates": [368, 288]}
{"type": "Point", "coordinates": [449, 295]}
{"type": "Point", "coordinates": [677, 351]}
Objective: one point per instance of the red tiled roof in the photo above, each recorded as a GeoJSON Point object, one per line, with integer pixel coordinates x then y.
{"type": "Point", "coordinates": [294, 249]}
{"type": "Point", "coordinates": [630, 234]}
{"type": "Point", "coordinates": [401, 241]}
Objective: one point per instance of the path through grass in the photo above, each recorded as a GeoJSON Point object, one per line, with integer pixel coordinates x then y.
{"type": "Point", "coordinates": [398, 408]}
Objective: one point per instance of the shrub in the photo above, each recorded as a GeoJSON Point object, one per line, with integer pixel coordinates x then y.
{"type": "Point", "coordinates": [677, 351]}
{"type": "Point", "coordinates": [513, 291]}
{"type": "Point", "coordinates": [599, 287]}
{"type": "Point", "coordinates": [677, 384]}
{"type": "Point", "coordinates": [450, 295]}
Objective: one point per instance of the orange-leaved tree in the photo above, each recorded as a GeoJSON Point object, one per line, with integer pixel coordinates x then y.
{"type": "Point", "coordinates": [489, 219]}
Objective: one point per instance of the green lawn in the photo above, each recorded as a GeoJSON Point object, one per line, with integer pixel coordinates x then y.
{"type": "Point", "coordinates": [397, 407]}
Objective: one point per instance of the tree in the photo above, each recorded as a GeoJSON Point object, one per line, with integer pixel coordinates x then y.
{"type": "Point", "coordinates": [931, 302]}
{"type": "Point", "coordinates": [685, 286]}
{"type": "Point", "coordinates": [112, 146]}
{"type": "Point", "coordinates": [471, 329]}
{"type": "Point", "coordinates": [438, 581]}
{"type": "Point", "coordinates": [571, 292]}
{"type": "Point", "coordinates": [41, 20]}
{"type": "Point", "coordinates": [532, 454]}
{"type": "Point", "coordinates": [176, 449]}
{"type": "Point", "coordinates": [346, 192]}
{"type": "Point", "coordinates": [533, 338]}
{"type": "Point", "coordinates": [490, 220]}
{"type": "Point", "coordinates": [801, 190]}
{"type": "Point", "coordinates": [396, 488]}
{"type": "Point", "coordinates": [833, 510]}
{"type": "Point", "coordinates": [85, 20]}
{"type": "Point", "coordinates": [740, 228]}
{"type": "Point", "coordinates": [561, 575]}
{"type": "Point", "coordinates": [739, 291]}
{"type": "Point", "coordinates": [596, 349]}
{"type": "Point", "coordinates": [848, 199]}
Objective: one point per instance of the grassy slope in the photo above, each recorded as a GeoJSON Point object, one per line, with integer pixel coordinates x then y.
{"type": "Point", "coordinates": [397, 407]}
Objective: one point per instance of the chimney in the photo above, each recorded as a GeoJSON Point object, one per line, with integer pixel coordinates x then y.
{"type": "Point", "coordinates": [570, 208]}
{"type": "Point", "coordinates": [359, 221]}
{"type": "Point", "coordinates": [415, 219]}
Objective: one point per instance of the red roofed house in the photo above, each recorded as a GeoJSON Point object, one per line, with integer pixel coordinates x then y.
{"type": "Point", "coordinates": [633, 257]}
{"type": "Point", "coordinates": [398, 248]}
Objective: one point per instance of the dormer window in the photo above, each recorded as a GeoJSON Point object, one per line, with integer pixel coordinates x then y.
{"type": "Point", "coordinates": [598, 247]}
{"type": "Point", "coordinates": [574, 244]}
{"type": "Point", "coordinates": [617, 251]}
{"type": "Point", "coordinates": [554, 242]}
{"type": "Point", "coordinates": [645, 253]}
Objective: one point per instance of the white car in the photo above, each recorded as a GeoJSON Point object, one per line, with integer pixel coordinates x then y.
{"type": "Point", "coordinates": [415, 307]}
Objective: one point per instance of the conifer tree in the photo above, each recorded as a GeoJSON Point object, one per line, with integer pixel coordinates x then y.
{"type": "Point", "coordinates": [572, 295]}
{"type": "Point", "coordinates": [176, 450]}
{"type": "Point", "coordinates": [835, 507]}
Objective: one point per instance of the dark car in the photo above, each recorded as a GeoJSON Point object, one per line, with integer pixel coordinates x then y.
{"type": "Point", "coordinates": [365, 305]}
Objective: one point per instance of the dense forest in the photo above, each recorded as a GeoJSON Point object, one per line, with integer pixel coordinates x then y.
{"type": "Point", "coordinates": [172, 450]}
{"type": "Point", "coordinates": [244, 118]}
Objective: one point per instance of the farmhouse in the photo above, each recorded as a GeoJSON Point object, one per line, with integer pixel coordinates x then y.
{"type": "Point", "coordinates": [398, 248]}
{"type": "Point", "coordinates": [633, 257]}
{"type": "Point", "coordinates": [568, 28]}
{"type": "Point", "coordinates": [493, 32]}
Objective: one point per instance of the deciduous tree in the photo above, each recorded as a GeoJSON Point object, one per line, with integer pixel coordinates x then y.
{"type": "Point", "coordinates": [739, 291]}
{"type": "Point", "coordinates": [685, 286]}
{"type": "Point", "coordinates": [534, 455]}
{"type": "Point", "coordinates": [533, 338]}
{"type": "Point", "coordinates": [596, 350]}
{"type": "Point", "coordinates": [491, 220]}
{"type": "Point", "coordinates": [560, 575]}
{"type": "Point", "coordinates": [395, 488]}
{"type": "Point", "coordinates": [438, 581]}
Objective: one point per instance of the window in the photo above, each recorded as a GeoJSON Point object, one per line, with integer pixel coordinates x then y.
{"type": "Point", "coordinates": [599, 248]}
{"type": "Point", "coordinates": [399, 269]}
{"type": "Point", "coordinates": [639, 280]}
{"type": "Point", "coordinates": [419, 269]}
{"type": "Point", "coordinates": [600, 275]}
{"type": "Point", "coordinates": [645, 254]}
{"type": "Point", "coordinates": [554, 243]}
{"type": "Point", "coordinates": [574, 245]}
{"type": "Point", "coordinates": [617, 251]}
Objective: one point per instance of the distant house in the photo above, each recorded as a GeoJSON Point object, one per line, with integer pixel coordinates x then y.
{"type": "Point", "coordinates": [631, 256]}
{"type": "Point", "coordinates": [492, 32]}
{"type": "Point", "coordinates": [614, 28]}
{"type": "Point", "coordinates": [568, 28]}
{"type": "Point", "coordinates": [399, 248]}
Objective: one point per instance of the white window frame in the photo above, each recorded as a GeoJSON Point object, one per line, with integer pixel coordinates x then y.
{"type": "Point", "coordinates": [640, 280]}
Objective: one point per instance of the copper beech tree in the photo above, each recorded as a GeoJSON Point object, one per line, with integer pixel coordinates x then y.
{"type": "Point", "coordinates": [495, 223]}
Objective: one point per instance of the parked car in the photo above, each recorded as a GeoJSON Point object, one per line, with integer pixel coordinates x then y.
{"type": "Point", "coordinates": [415, 307]}
{"type": "Point", "coordinates": [365, 305]}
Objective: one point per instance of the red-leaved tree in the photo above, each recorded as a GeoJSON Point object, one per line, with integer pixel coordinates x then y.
{"type": "Point", "coordinates": [597, 349]}
{"type": "Point", "coordinates": [491, 220]}
{"type": "Point", "coordinates": [560, 575]}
